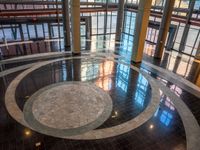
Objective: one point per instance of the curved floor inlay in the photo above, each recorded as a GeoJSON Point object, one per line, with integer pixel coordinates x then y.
{"type": "Point", "coordinates": [17, 114]}
{"type": "Point", "coordinates": [189, 121]}
{"type": "Point", "coordinates": [41, 56]}
{"type": "Point", "coordinates": [170, 76]}
{"type": "Point", "coordinates": [13, 70]}
{"type": "Point", "coordinates": [34, 57]}
{"type": "Point", "coordinates": [191, 125]}
{"type": "Point", "coordinates": [67, 108]}
{"type": "Point", "coordinates": [176, 79]}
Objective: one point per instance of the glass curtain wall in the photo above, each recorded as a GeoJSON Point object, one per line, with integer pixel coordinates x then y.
{"type": "Point", "coordinates": [103, 23]}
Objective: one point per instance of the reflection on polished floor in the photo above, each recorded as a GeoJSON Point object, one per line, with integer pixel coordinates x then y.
{"type": "Point", "coordinates": [99, 93]}
{"type": "Point", "coordinates": [129, 90]}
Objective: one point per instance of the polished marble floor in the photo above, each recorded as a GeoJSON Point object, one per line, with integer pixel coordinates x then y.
{"type": "Point", "coordinates": [131, 94]}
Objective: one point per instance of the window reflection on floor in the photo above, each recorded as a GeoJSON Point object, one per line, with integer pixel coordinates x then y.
{"type": "Point", "coordinates": [104, 81]}
{"type": "Point", "coordinates": [166, 118]}
{"type": "Point", "coordinates": [122, 77]}
{"type": "Point", "coordinates": [141, 90]}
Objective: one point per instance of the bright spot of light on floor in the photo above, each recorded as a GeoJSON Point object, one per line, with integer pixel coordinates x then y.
{"type": "Point", "coordinates": [27, 132]}
{"type": "Point", "coordinates": [151, 126]}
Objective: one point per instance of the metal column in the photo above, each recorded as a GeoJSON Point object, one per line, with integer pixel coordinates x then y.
{"type": "Point", "coordinates": [75, 22]}
{"type": "Point", "coordinates": [198, 52]}
{"type": "Point", "coordinates": [120, 19]}
{"type": "Point", "coordinates": [22, 38]}
{"type": "Point", "coordinates": [142, 21]}
{"type": "Point", "coordinates": [164, 28]}
{"type": "Point", "coordinates": [187, 26]}
{"type": "Point", "coordinates": [66, 24]}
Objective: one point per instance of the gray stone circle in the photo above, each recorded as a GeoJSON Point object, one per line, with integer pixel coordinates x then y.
{"type": "Point", "coordinates": [47, 110]}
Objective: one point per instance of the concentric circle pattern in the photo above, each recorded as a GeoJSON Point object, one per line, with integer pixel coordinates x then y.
{"type": "Point", "coordinates": [67, 108]}
{"type": "Point", "coordinates": [81, 108]}
{"type": "Point", "coordinates": [31, 119]}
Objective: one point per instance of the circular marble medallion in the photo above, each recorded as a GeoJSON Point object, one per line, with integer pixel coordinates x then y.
{"type": "Point", "coordinates": [27, 118]}
{"type": "Point", "coordinates": [72, 107]}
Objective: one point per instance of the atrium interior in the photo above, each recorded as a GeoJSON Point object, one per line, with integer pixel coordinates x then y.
{"type": "Point", "coordinates": [99, 74]}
